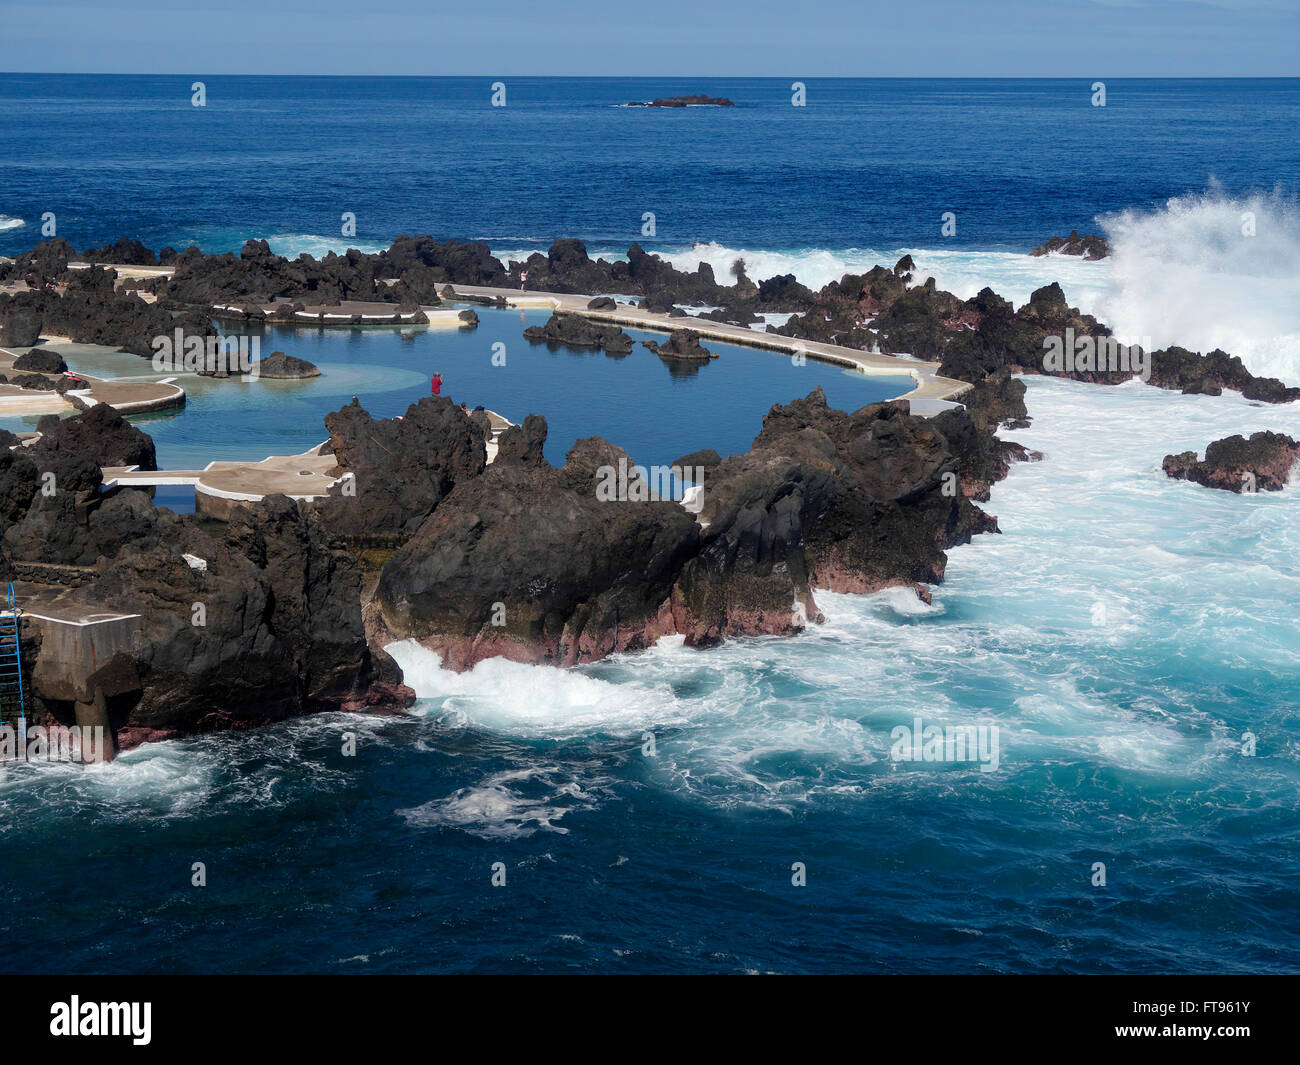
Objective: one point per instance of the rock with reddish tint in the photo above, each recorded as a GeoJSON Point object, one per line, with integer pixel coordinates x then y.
{"type": "Point", "coordinates": [532, 563]}
{"type": "Point", "coordinates": [881, 489]}
{"type": "Point", "coordinates": [1261, 463]}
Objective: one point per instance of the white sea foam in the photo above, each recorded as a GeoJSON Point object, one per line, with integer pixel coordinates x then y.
{"type": "Point", "coordinates": [1184, 273]}
{"type": "Point", "coordinates": [1086, 631]}
{"type": "Point", "coordinates": [509, 804]}
{"type": "Point", "coordinates": [1187, 274]}
{"type": "Point", "coordinates": [8, 222]}
{"type": "Point", "coordinates": [291, 245]}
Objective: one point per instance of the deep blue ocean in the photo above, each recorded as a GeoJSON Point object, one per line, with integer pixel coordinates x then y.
{"type": "Point", "coordinates": [1124, 633]}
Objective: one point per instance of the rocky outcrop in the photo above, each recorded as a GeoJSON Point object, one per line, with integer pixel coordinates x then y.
{"type": "Point", "coordinates": [1089, 247]}
{"type": "Point", "coordinates": [92, 311]}
{"type": "Point", "coordinates": [880, 507]}
{"type": "Point", "coordinates": [20, 325]}
{"type": "Point", "coordinates": [41, 360]}
{"type": "Point", "coordinates": [526, 562]}
{"type": "Point", "coordinates": [681, 344]}
{"type": "Point", "coordinates": [232, 630]}
{"type": "Point", "coordinates": [125, 252]}
{"type": "Point", "coordinates": [100, 433]}
{"type": "Point", "coordinates": [279, 632]}
{"type": "Point", "coordinates": [278, 366]}
{"type": "Point", "coordinates": [1261, 463]}
{"type": "Point", "coordinates": [410, 271]}
{"type": "Point", "coordinates": [574, 331]}
{"type": "Point", "coordinates": [698, 100]}
{"type": "Point", "coordinates": [34, 381]}
{"type": "Point", "coordinates": [567, 565]}
{"type": "Point", "coordinates": [395, 471]}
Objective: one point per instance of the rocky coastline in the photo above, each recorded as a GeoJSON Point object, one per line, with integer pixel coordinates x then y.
{"type": "Point", "coordinates": [515, 558]}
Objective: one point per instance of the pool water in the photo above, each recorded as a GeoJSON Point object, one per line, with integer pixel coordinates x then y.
{"type": "Point", "coordinates": [656, 411]}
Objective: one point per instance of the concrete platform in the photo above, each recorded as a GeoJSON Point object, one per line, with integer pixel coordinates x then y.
{"type": "Point", "coordinates": [128, 397]}
{"type": "Point", "coordinates": [221, 486]}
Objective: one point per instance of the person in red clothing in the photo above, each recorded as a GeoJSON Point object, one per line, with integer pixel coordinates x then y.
{"type": "Point", "coordinates": [437, 383]}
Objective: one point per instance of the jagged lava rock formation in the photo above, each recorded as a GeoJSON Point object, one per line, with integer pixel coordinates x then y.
{"type": "Point", "coordinates": [1261, 463]}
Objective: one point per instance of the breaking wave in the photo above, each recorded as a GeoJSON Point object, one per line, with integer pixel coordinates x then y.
{"type": "Point", "coordinates": [1210, 271]}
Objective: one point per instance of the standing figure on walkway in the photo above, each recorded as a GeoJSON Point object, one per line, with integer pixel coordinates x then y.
{"type": "Point", "coordinates": [437, 382]}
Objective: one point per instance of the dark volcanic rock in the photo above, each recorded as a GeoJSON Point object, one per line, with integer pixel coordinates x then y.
{"type": "Point", "coordinates": [20, 326]}
{"type": "Point", "coordinates": [698, 100]}
{"type": "Point", "coordinates": [278, 366]}
{"type": "Point", "coordinates": [401, 468]}
{"type": "Point", "coordinates": [602, 303]}
{"type": "Point", "coordinates": [705, 459]}
{"type": "Point", "coordinates": [1090, 247]}
{"type": "Point", "coordinates": [681, 344]}
{"type": "Point", "coordinates": [281, 630]}
{"type": "Point", "coordinates": [41, 360]}
{"type": "Point", "coordinates": [574, 331]}
{"type": "Point", "coordinates": [536, 564]}
{"type": "Point", "coordinates": [565, 576]}
{"type": "Point", "coordinates": [1237, 464]}
{"type": "Point", "coordinates": [100, 433]}
{"type": "Point", "coordinates": [33, 381]}
{"type": "Point", "coordinates": [879, 509]}
{"type": "Point", "coordinates": [123, 252]}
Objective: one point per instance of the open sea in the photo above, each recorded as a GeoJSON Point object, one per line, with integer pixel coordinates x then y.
{"type": "Point", "coordinates": [1124, 633]}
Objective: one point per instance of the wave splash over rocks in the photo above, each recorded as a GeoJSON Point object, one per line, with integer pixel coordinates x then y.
{"type": "Point", "coordinates": [1210, 270]}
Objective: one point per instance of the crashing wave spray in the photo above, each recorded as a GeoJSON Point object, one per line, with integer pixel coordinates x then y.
{"type": "Point", "coordinates": [1210, 271]}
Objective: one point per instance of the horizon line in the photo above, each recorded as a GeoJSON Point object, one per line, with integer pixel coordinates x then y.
{"type": "Point", "coordinates": [670, 77]}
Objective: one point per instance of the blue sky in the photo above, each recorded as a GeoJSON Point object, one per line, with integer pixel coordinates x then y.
{"type": "Point", "coordinates": [863, 38]}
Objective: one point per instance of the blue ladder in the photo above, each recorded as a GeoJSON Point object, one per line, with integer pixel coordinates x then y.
{"type": "Point", "coordinates": [11, 662]}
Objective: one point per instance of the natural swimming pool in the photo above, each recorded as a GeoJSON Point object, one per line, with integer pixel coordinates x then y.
{"type": "Point", "coordinates": [656, 411]}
